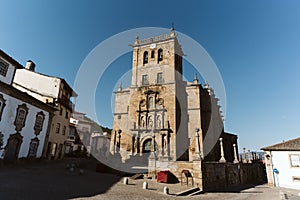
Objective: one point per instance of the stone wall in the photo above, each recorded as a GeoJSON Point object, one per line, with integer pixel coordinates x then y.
{"type": "Point", "coordinates": [176, 168]}
{"type": "Point", "coordinates": [229, 176]}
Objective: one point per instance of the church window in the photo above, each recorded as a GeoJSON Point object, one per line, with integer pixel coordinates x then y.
{"type": "Point", "coordinates": [159, 78]}
{"type": "Point", "coordinates": [152, 54]}
{"type": "Point", "coordinates": [145, 80]}
{"type": "Point", "coordinates": [151, 102]}
{"type": "Point", "coordinates": [145, 59]}
{"type": "Point", "coordinates": [160, 55]}
{"type": "Point", "coordinates": [2, 105]}
{"type": "Point", "coordinates": [3, 68]}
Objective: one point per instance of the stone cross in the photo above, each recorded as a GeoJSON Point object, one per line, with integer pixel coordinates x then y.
{"type": "Point", "coordinates": [222, 159]}
{"type": "Point", "coordinates": [236, 160]}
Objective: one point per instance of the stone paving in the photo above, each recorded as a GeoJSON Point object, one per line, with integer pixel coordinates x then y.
{"type": "Point", "coordinates": [51, 180]}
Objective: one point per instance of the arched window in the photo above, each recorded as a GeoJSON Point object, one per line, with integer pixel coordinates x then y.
{"type": "Point", "coordinates": [151, 103]}
{"type": "Point", "coordinates": [145, 60]}
{"type": "Point", "coordinates": [152, 54]}
{"type": "Point", "coordinates": [160, 55]}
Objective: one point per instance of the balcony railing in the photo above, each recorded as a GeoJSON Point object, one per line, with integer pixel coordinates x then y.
{"type": "Point", "coordinates": [65, 102]}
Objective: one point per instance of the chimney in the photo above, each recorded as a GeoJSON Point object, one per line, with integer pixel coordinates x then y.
{"type": "Point", "coordinates": [30, 65]}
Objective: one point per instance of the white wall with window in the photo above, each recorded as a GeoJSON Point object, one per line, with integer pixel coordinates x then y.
{"type": "Point", "coordinates": [7, 71]}
{"type": "Point", "coordinates": [32, 123]}
{"type": "Point", "coordinates": [288, 165]}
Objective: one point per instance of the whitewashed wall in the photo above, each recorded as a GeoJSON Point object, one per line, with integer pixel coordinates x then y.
{"type": "Point", "coordinates": [281, 161]}
{"type": "Point", "coordinates": [7, 127]}
{"type": "Point", "coordinates": [45, 85]}
{"type": "Point", "coordinates": [9, 75]}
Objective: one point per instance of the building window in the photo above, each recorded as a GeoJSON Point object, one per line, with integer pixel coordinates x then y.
{"type": "Point", "coordinates": [3, 67]}
{"type": "Point", "coordinates": [296, 179]}
{"type": "Point", "coordinates": [39, 121]}
{"type": "Point", "coordinates": [152, 54]}
{"type": "Point", "coordinates": [145, 59]}
{"type": "Point", "coordinates": [295, 160]}
{"type": "Point", "coordinates": [145, 80]}
{"type": "Point", "coordinates": [85, 129]}
{"type": "Point", "coordinates": [34, 144]}
{"type": "Point", "coordinates": [67, 115]}
{"type": "Point", "coordinates": [2, 105]}
{"type": "Point", "coordinates": [21, 115]}
{"type": "Point", "coordinates": [61, 110]}
{"type": "Point", "coordinates": [159, 78]}
{"type": "Point", "coordinates": [57, 128]}
{"type": "Point", "coordinates": [64, 130]}
{"type": "Point", "coordinates": [160, 55]}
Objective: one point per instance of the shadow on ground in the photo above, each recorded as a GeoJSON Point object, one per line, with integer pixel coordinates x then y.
{"type": "Point", "coordinates": [54, 180]}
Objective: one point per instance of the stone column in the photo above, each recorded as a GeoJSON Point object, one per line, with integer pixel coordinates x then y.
{"type": "Point", "coordinates": [197, 146]}
{"type": "Point", "coordinates": [222, 159]}
{"type": "Point", "coordinates": [249, 157]}
{"type": "Point", "coordinates": [236, 160]}
{"type": "Point", "coordinates": [244, 160]}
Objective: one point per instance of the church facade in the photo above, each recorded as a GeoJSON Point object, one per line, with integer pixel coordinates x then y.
{"type": "Point", "coordinates": [160, 116]}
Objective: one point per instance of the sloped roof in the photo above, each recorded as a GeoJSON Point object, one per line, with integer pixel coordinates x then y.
{"type": "Point", "coordinates": [290, 145]}
{"type": "Point", "coordinates": [10, 59]}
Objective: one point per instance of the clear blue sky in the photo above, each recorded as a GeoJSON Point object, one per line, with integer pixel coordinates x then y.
{"type": "Point", "coordinates": [255, 44]}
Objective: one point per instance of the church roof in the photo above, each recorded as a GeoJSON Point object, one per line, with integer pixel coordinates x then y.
{"type": "Point", "coordinates": [290, 145]}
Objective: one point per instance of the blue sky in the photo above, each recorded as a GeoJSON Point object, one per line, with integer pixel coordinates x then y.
{"type": "Point", "coordinates": [255, 44]}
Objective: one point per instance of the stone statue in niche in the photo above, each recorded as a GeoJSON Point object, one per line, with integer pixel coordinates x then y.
{"type": "Point", "coordinates": [150, 122]}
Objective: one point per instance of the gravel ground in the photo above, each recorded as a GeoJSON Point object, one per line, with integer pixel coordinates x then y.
{"type": "Point", "coordinates": [51, 180]}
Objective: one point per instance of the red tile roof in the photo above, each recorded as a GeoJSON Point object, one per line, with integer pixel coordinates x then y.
{"type": "Point", "coordinates": [290, 145]}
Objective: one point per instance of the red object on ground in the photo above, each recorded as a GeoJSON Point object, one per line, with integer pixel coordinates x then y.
{"type": "Point", "coordinates": [163, 176]}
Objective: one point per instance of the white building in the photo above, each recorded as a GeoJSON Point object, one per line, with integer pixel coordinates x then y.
{"type": "Point", "coordinates": [283, 164]}
{"type": "Point", "coordinates": [51, 90]}
{"type": "Point", "coordinates": [23, 119]}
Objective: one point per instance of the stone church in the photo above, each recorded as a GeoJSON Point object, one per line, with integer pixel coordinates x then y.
{"type": "Point", "coordinates": [162, 117]}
